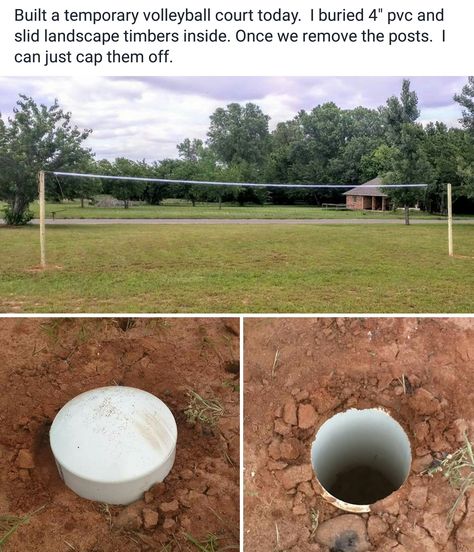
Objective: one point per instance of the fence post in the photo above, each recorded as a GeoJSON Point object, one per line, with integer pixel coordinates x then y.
{"type": "Point", "coordinates": [450, 221]}
{"type": "Point", "coordinates": [42, 215]}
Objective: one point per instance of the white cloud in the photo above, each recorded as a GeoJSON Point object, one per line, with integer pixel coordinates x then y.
{"type": "Point", "coordinates": [147, 118]}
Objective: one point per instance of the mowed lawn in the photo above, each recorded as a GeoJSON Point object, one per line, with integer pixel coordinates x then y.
{"type": "Point", "coordinates": [169, 209]}
{"type": "Point", "coordinates": [243, 268]}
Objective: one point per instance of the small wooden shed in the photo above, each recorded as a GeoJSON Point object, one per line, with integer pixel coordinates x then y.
{"type": "Point", "coordinates": [367, 196]}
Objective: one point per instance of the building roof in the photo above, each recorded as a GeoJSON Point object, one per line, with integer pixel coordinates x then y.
{"type": "Point", "coordinates": [365, 190]}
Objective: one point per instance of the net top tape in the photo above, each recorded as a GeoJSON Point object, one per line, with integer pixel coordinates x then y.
{"type": "Point", "coordinates": [235, 184]}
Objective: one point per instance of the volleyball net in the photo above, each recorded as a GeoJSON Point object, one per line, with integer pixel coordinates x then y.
{"type": "Point", "coordinates": [206, 183]}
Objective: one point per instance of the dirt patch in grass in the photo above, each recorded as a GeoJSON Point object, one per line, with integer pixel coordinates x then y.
{"type": "Point", "coordinates": [46, 362]}
{"type": "Point", "coordinates": [420, 370]}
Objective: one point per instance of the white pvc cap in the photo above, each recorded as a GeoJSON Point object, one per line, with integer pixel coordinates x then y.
{"type": "Point", "coordinates": [112, 443]}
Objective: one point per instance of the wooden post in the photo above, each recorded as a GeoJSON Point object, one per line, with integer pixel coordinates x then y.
{"type": "Point", "coordinates": [42, 218]}
{"type": "Point", "coordinates": [450, 221]}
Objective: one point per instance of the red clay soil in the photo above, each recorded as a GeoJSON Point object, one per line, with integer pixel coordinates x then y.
{"type": "Point", "coordinates": [300, 372]}
{"type": "Point", "coordinates": [45, 363]}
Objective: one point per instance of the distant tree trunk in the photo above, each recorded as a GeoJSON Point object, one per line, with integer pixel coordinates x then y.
{"type": "Point", "coordinates": [407, 215]}
{"type": "Point", "coordinates": [16, 210]}
{"type": "Point", "coordinates": [220, 202]}
{"type": "Point", "coordinates": [82, 203]}
{"type": "Point", "coordinates": [126, 203]}
{"type": "Point", "coordinates": [193, 200]}
{"type": "Point", "coordinates": [18, 206]}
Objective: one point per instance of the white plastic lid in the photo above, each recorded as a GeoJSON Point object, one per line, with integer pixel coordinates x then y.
{"type": "Point", "coordinates": [113, 434]}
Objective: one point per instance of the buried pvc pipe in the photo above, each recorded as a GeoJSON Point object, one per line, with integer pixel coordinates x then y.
{"type": "Point", "coordinates": [360, 457]}
{"type": "Point", "coordinates": [113, 443]}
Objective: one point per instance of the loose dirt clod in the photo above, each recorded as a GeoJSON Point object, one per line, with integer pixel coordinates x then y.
{"type": "Point", "coordinates": [169, 507]}
{"type": "Point", "coordinates": [306, 416]}
{"type": "Point", "coordinates": [25, 460]}
{"type": "Point", "coordinates": [129, 517]}
{"type": "Point", "coordinates": [290, 412]}
{"type": "Point", "coordinates": [294, 475]}
{"type": "Point", "coordinates": [150, 518]}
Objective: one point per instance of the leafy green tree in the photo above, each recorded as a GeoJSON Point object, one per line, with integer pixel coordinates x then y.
{"type": "Point", "coordinates": [466, 100]}
{"type": "Point", "coordinates": [325, 131]}
{"type": "Point", "coordinates": [400, 111]}
{"type": "Point", "coordinates": [446, 149]}
{"type": "Point", "coordinates": [198, 162]}
{"type": "Point", "coordinates": [71, 188]}
{"type": "Point", "coordinates": [242, 172]}
{"type": "Point", "coordinates": [154, 193]}
{"type": "Point", "coordinates": [363, 122]}
{"type": "Point", "coordinates": [409, 164]}
{"type": "Point", "coordinates": [188, 170]}
{"type": "Point", "coordinates": [466, 173]}
{"type": "Point", "coordinates": [325, 145]}
{"type": "Point", "coordinates": [86, 188]}
{"type": "Point", "coordinates": [465, 160]}
{"type": "Point", "coordinates": [239, 134]}
{"type": "Point", "coordinates": [191, 150]}
{"type": "Point", "coordinates": [303, 150]}
{"type": "Point", "coordinates": [281, 161]}
{"type": "Point", "coordinates": [375, 163]}
{"type": "Point", "coordinates": [347, 167]}
{"type": "Point", "coordinates": [127, 190]}
{"type": "Point", "coordinates": [364, 133]}
{"type": "Point", "coordinates": [465, 168]}
{"type": "Point", "coordinates": [36, 138]}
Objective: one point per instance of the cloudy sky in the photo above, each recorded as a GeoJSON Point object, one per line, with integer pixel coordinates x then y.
{"type": "Point", "coordinates": [144, 118]}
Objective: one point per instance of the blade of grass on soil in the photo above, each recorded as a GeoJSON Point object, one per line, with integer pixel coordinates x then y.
{"type": "Point", "coordinates": [458, 469]}
{"type": "Point", "coordinates": [200, 409]}
{"type": "Point", "coordinates": [209, 544]}
{"type": "Point", "coordinates": [9, 525]}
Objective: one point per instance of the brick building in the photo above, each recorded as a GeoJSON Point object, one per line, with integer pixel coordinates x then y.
{"type": "Point", "coordinates": [365, 197]}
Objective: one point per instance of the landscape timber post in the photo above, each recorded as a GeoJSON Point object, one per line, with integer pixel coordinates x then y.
{"type": "Point", "coordinates": [42, 218]}
{"type": "Point", "coordinates": [450, 221]}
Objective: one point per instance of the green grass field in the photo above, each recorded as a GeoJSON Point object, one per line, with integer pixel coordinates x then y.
{"type": "Point", "coordinates": [173, 209]}
{"type": "Point", "coordinates": [244, 268]}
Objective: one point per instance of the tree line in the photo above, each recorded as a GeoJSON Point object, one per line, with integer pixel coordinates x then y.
{"type": "Point", "coordinates": [327, 145]}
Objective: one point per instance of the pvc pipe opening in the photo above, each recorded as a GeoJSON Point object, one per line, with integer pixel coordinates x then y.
{"type": "Point", "coordinates": [360, 457]}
